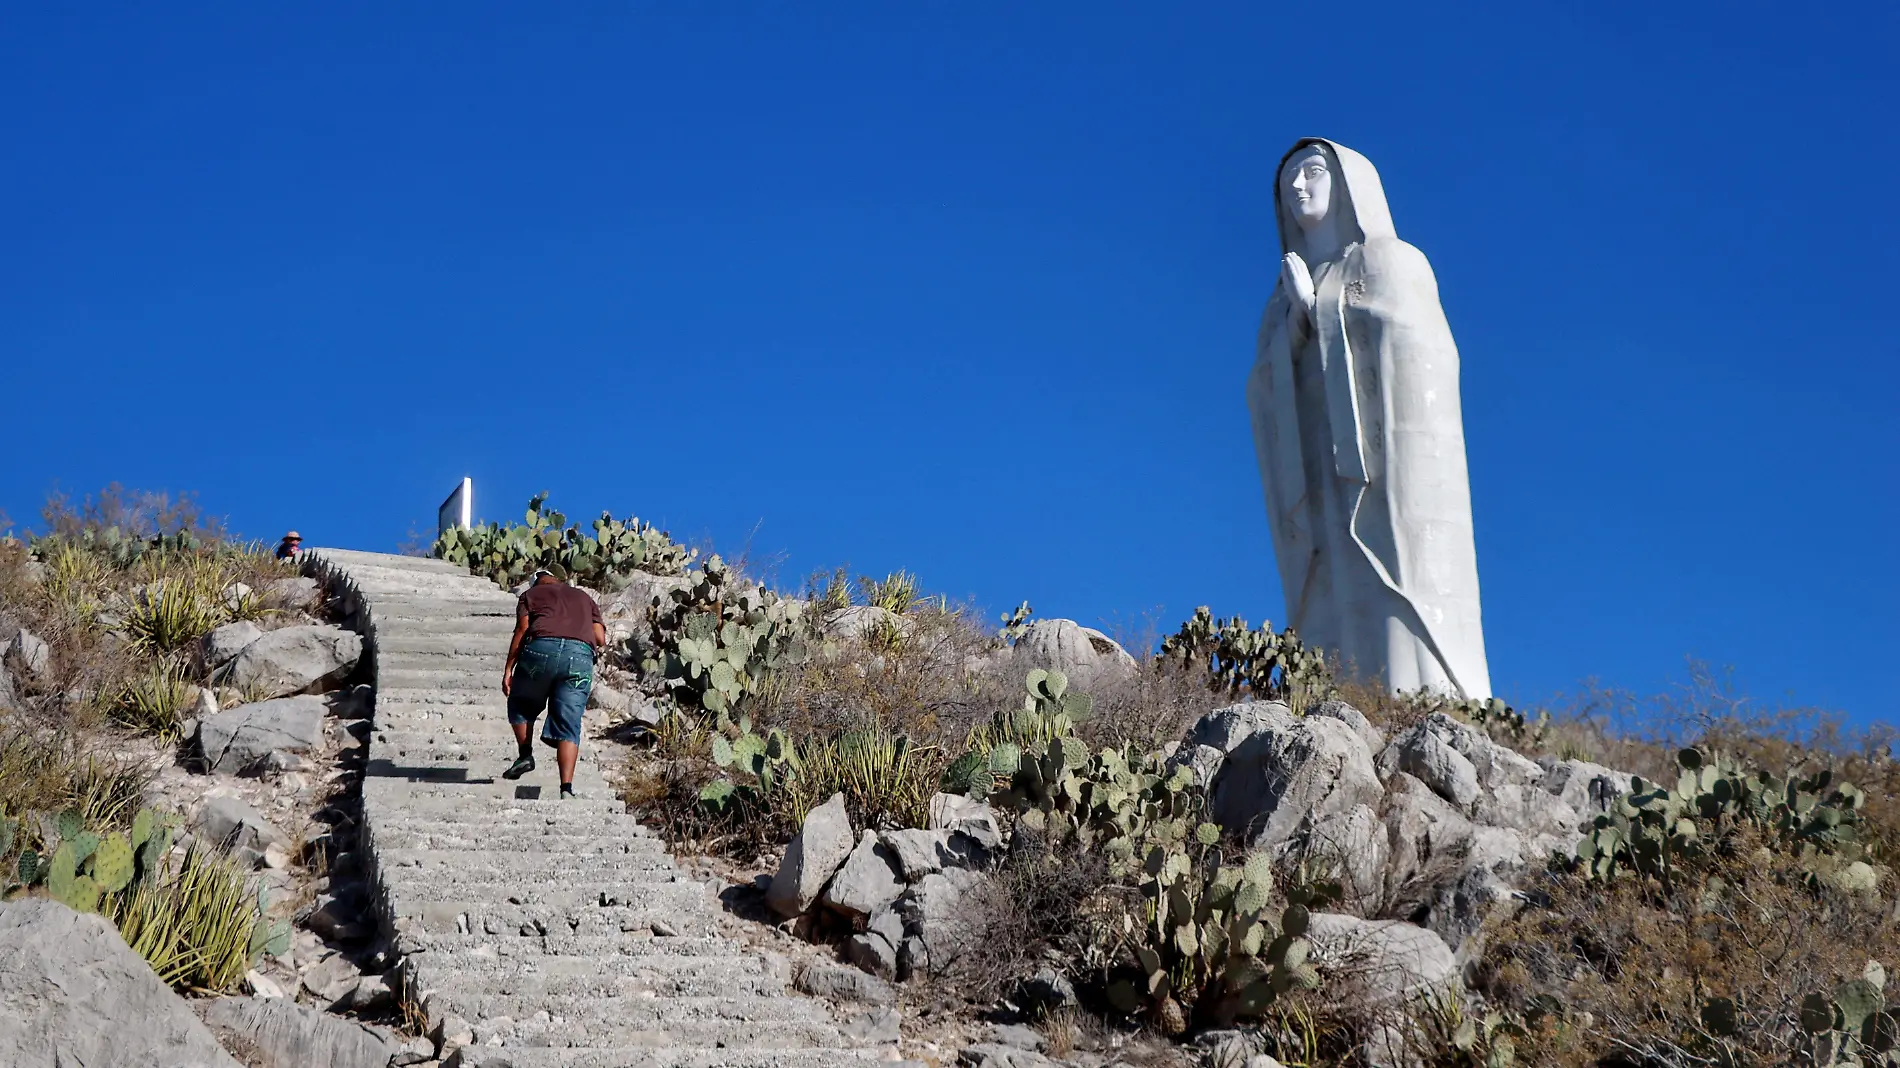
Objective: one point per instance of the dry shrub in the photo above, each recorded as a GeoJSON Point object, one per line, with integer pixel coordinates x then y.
{"type": "Point", "coordinates": [1152, 707]}
{"type": "Point", "coordinates": [1041, 904]}
{"type": "Point", "coordinates": [42, 771]}
{"type": "Point", "coordinates": [1633, 963]}
{"type": "Point", "coordinates": [933, 683]}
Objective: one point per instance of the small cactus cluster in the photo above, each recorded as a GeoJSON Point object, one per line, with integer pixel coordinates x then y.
{"type": "Point", "coordinates": [1492, 716]}
{"type": "Point", "coordinates": [1205, 947]}
{"type": "Point", "coordinates": [715, 642]}
{"type": "Point", "coordinates": [604, 560]}
{"type": "Point", "coordinates": [115, 546]}
{"type": "Point", "coordinates": [1850, 1028]}
{"type": "Point", "coordinates": [1239, 659]}
{"type": "Point", "coordinates": [78, 867]}
{"type": "Point", "coordinates": [1117, 801]}
{"type": "Point", "coordinates": [1015, 623]}
{"type": "Point", "coordinates": [1653, 828]}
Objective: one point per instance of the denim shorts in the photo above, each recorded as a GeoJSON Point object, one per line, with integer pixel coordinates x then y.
{"type": "Point", "coordinates": [553, 674]}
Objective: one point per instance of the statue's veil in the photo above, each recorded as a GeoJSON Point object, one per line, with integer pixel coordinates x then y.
{"type": "Point", "coordinates": [1356, 191]}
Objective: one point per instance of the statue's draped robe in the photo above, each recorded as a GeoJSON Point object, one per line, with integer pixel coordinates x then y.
{"type": "Point", "coordinates": [1362, 455]}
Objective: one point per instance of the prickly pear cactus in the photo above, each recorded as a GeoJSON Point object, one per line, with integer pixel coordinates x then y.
{"type": "Point", "coordinates": [715, 643]}
{"type": "Point", "coordinates": [603, 560]}
{"type": "Point", "coordinates": [112, 864]}
{"type": "Point", "coordinates": [1239, 659]}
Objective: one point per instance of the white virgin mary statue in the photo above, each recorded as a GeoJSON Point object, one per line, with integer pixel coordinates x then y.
{"type": "Point", "coordinates": [1354, 394]}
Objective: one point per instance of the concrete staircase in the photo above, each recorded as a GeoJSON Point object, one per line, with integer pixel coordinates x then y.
{"type": "Point", "coordinates": [560, 930]}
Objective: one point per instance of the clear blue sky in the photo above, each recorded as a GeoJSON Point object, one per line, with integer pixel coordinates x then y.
{"type": "Point", "coordinates": [972, 289]}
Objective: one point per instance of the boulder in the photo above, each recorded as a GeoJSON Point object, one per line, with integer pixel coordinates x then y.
{"type": "Point", "coordinates": [28, 657]}
{"type": "Point", "coordinates": [823, 979]}
{"type": "Point", "coordinates": [868, 879]}
{"type": "Point", "coordinates": [1385, 961]}
{"type": "Point", "coordinates": [935, 911]}
{"type": "Point", "coordinates": [230, 823]}
{"type": "Point", "coordinates": [873, 954]}
{"type": "Point", "coordinates": [298, 591]}
{"type": "Point", "coordinates": [288, 1035]}
{"type": "Point", "coordinates": [239, 738]}
{"type": "Point", "coordinates": [920, 852]}
{"type": "Point", "coordinates": [1351, 844]}
{"type": "Point", "coordinates": [222, 645]}
{"type": "Point", "coordinates": [1428, 839]}
{"type": "Point", "coordinates": [1084, 654]}
{"type": "Point", "coordinates": [1291, 769]}
{"type": "Point", "coordinates": [9, 694]}
{"type": "Point", "coordinates": [630, 602]}
{"type": "Point", "coordinates": [814, 854]}
{"type": "Point", "coordinates": [1351, 717]}
{"type": "Point", "coordinates": [1585, 787]}
{"type": "Point", "coordinates": [73, 993]}
{"type": "Point", "coordinates": [1225, 728]}
{"type": "Point", "coordinates": [1427, 756]}
{"type": "Point", "coordinates": [295, 659]}
{"type": "Point", "coordinates": [954, 812]}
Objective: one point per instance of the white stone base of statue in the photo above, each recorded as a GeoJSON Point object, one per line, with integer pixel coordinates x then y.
{"type": "Point", "coordinates": [1356, 415]}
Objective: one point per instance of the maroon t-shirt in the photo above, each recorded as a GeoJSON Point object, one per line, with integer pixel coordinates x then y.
{"type": "Point", "coordinates": [557, 610]}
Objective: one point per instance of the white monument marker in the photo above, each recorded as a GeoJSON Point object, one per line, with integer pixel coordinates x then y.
{"type": "Point", "coordinates": [1361, 441]}
{"type": "Point", "coordinates": [458, 510]}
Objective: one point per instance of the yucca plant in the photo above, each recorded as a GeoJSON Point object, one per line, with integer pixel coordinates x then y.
{"type": "Point", "coordinates": [200, 927]}
{"type": "Point", "coordinates": [895, 592]}
{"type": "Point", "coordinates": [885, 778]}
{"type": "Point", "coordinates": [155, 699]}
{"type": "Point", "coordinates": [172, 613]}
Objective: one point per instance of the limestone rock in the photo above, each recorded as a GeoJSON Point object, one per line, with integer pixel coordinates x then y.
{"type": "Point", "coordinates": [1385, 960]}
{"type": "Point", "coordinates": [9, 694]}
{"type": "Point", "coordinates": [1225, 728]}
{"type": "Point", "coordinates": [295, 659]}
{"type": "Point", "coordinates": [298, 591]}
{"type": "Point", "coordinates": [814, 854]}
{"type": "Point", "coordinates": [1291, 769]}
{"type": "Point", "coordinates": [935, 910]}
{"type": "Point", "coordinates": [920, 852]}
{"type": "Point", "coordinates": [873, 954]}
{"type": "Point", "coordinates": [28, 657]}
{"type": "Point", "coordinates": [954, 812]}
{"type": "Point", "coordinates": [824, 979]}
{"type": "Point", "coordinates": [1084, 654]}
{"type": "Point", "coordinates": [868, 879]}
{"type": "Point", "coordinates": [239, 738]}
{"type": "Point", "coordinates": [230, 822]}
{"type": "Point", "coordinates": [1424, 834]}
{"type": "Point", "coordinates": [1352, 844]}
{"type": "Point", "coordinates": [1587, 788]}
{"type": "Point", "coordinates": [74, 993]}
{"type": "Point", "coordinates": [1426, 755]}
{"type": "Point", "coordinates": [288, 1035]}
{"type": "Point", "coordinates": [874, 1027]}
{"type": "Point", "coordinates": [1351, 717]}
{"type": "Point", "coordinates": [222, 645]}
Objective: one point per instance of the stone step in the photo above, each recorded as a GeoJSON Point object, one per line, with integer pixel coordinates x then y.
{"type": "Point", "coordinates": [353, 560]}
{"type": "Point", "coordinates": [477, 839]}
{"type": "Point", "coordinates": [530, 928]}
{"type": "Point", "coordinates": [633, 856]}
{"type": "Point", "coordinates": [413, 890]}
{"type": "Point", "coordinates": [392, 810]}
{"type": "Point", "coordinates": [572, 818]}
{"type": "Point", "coordinates": [457, 678]}
{"type": "Point", "coordinates": [489, 661]}
{"type": "Point", "coordinates": [668, 1031]}
{"type": "Point", "coordinates": [385, 777]}
{"type": "Point", "coordinates": [411, 695]}
{"type": "Point", "coordinates": [434, 624]}
{"type": "Point", "coordinates": [422, 647]}
{"type": "Point", "coordinates": [625, 977]}
{"type": "Point", "coordinates": [559, 949]}
{"type": "Point", "coordinates": [484, 757]}
{"type": "Point", "coordinates": [675, 1057]}
{"type": "Point", "coordinates": [775, 1019]}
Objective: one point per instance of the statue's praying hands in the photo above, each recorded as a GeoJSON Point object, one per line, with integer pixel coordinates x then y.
{"type": "Point", "coordinates": [1298, 284]}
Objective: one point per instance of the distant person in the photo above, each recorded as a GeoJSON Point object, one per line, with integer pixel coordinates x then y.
{"type": "Point", "coordinates": [558, 632]}
{"type": "Point", "coordinates": [290, 547]}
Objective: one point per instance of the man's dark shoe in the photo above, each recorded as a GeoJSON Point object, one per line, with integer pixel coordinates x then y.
{"type": "Point", "coordinates": [567, 790]}
{"type": "Point", "coordinates": [519, 768]}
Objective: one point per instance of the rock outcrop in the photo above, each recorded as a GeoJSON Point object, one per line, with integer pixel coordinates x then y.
{"type": "Point", "coordinates": [73, 993]}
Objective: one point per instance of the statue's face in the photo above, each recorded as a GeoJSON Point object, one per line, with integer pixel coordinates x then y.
{"type": "Point", "coordinates": [1307, 186]}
